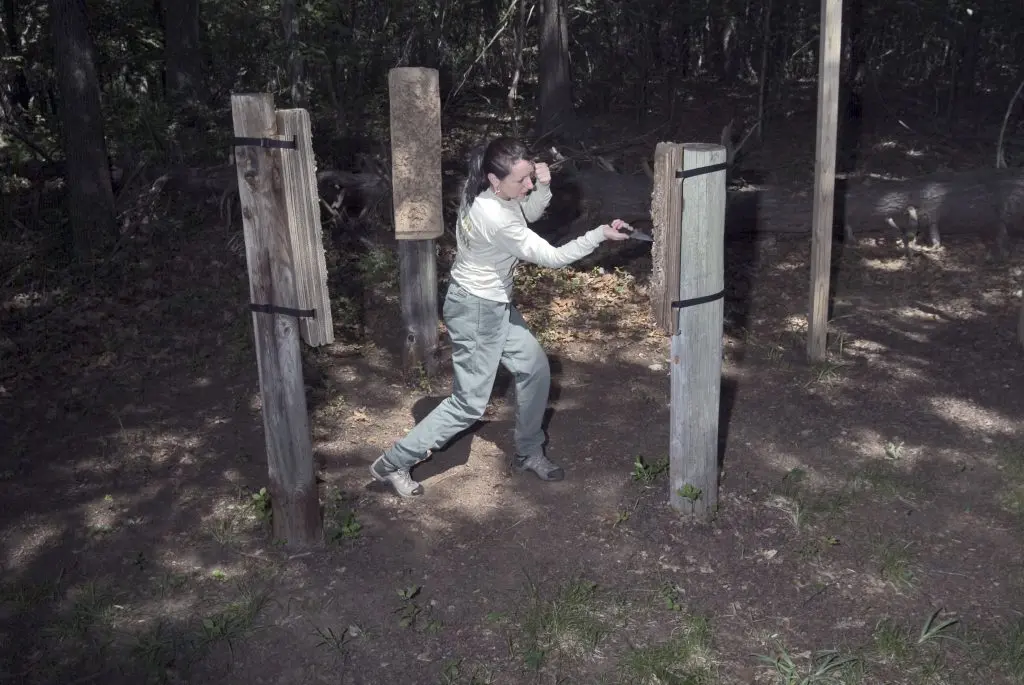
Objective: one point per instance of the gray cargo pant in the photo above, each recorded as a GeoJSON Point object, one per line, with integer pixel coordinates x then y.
{"type": "Point", "coordinates": [484, 334]}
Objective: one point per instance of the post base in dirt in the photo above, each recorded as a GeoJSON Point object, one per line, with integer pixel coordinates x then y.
{"type": "Point", "coordinates": [696, 360]}
{"type": "Point", "coordinates": [274, 302]}
{"type": "Point", "coordinates": [417, 265]}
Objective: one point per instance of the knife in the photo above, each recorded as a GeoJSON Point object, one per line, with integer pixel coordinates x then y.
{"type": "Point", "coordinates": [635, 234]}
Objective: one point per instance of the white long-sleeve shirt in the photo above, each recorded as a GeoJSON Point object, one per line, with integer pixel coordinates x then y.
{"type": "Point", "coordinates": [493, 238]}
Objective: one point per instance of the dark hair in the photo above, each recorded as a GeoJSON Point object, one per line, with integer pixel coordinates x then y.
{"type": "Point", "coordinates": [496, 157]}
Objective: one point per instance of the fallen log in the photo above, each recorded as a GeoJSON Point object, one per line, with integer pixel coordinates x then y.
{"type": "Point", "coordinates": [362, 187]}
{"type": "Point", "coordinates": [987, 203]}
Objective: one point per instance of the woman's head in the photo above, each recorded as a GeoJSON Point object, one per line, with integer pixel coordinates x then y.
{"type": "Point", "coordinates": [501, 165]}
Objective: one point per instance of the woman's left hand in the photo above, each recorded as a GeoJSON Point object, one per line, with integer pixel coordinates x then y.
{"type": "Point", "coordinates": [543, 173]}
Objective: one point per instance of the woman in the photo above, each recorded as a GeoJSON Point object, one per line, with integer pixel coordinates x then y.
{"type": "Point", "coordinates": [485, 327]}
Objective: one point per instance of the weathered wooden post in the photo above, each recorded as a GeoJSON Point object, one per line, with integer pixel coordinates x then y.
{"type": "Point", "coordinates": [259, 152]}
{"type": "Point", "coordinates": [416, 193]}
{"type": "Point", "coordinates": [824, 177]}
{"type": "Point", "coordinates": [688, 286]}
{"type": "Point", "coordinates": [304, 227]}
{"type": "Point", "coordinates": [1020, 326]}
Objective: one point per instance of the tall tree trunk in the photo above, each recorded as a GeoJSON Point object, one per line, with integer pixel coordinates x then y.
{"type": "Point", "coordinates": [18, 89]}
{"type": "Point", "coordinates": [556, 108]}
{"type": "Point", "coordinates": [87, 173]}
{"type": "Point", "coordinates": [181, 50]}
{"type": "Point", "coordinates": [296, 71]}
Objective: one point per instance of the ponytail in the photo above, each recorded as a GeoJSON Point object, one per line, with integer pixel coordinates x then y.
{"type": "Point", "coordinates": [476, 179]}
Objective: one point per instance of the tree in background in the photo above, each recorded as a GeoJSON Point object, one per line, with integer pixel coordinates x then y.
{"type": "Point", "coordinates": [90, 195]}
{"type": "Point", "coordinates": [555, 108]}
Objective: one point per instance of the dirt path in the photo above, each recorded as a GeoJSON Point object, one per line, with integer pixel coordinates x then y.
{"type": "Point", "coordinates": [859, 496]}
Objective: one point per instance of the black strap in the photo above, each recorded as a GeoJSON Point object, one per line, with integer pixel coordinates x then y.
{"type": "Point", "coordinates": [700, 171]}
{"type": "Point", "coordinates": [274, 309]}
{"type": "Point", "coordinates": [693, 301]}
{"type": "Point", "coordinates": [267, 142]}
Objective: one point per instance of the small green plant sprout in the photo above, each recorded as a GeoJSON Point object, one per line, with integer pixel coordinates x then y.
{"type": "Point", "coordinates": [410, 610]}
{"type": "Point", "coordinates": [670, 594]}
{"type": "Point", "coordinates": [422, 378]}
{"type": "Point", "coordinates": [332, 640]}
{"type": "Point", "coordinates": [648, 473]}
{"type": "Point", "coordinates": [689, 492]}
{"type": "Point", "coordinates": [894, 450]}
{"type": "Point", "coordinates": [348, 529]}
{"type": "Point", "coordinates": [262, 505]}
{"type": "Point", "coordinates": [819, 670]}
{"type": "Point", "coordinates": [934, 631]}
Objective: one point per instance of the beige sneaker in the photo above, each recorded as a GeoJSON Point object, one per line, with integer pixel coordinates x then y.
{"type": "Point", "coordinates": [540, 465]}
{"type": "Point", "coordinates": [399, 479]}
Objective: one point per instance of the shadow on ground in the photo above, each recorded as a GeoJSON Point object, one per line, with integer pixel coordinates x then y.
{"type": "Point", "coordinates": [134, 532]}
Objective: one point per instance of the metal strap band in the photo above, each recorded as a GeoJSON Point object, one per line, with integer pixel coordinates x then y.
{"type": "Point", "coordinates": [693, 301]}
{"type": "Point", "coordinates": [700, 171]}
{"type": "Point", "coordinates": [267, 142]}
{"type": "Point", "coordinates": [274, 309]}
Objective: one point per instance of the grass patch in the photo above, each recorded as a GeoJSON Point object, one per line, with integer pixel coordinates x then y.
{"type": "Point", "coordinates": [1011, 497]}
{"type": "Point", "coordinates": [238, 518]}
{"type": "Point", "coordinates": [457, 672]}
{"type": "Point", "coordinates": [684, 659]}
{"type": "Point", "coordinates": [233, 621]}
{"type": "Point", "coordinates": [895, 654]}
{"type": "Point", "coordinates": [883, 478]}
{"type": "Point", "coordinates": [1004, 650]}
{"type": "Point", "coordinates": [648, 473]}
{"type": "Point", "coordinates": [804, 507]}
{"type": "Point", "coordinates": [567, 626]}
{"type": "Point", "coordinates": [894, 564]}
{"type": "Point", "coordinates": [340, 521]}
{"type": "Point", "coordinates": [828, 667]}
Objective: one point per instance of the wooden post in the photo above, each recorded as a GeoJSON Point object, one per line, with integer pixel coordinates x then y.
{"type": "Point", "coordinates": [272, 289]}
{"type": "Point", "coordinates": [306, 232]}
{"type": "Point", "coordinates": [667, 217]}
{"type": "Point", "coordinates": [824, 177]}
{"type": "Point", "coordinates": [1020, 326]}
{"type": "Point", "coordinates": [416, 193]}
{"type": "Point", "coordinates": [696, 351]}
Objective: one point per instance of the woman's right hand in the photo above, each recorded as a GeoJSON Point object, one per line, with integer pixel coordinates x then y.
{"type": "Point", "coordinates": [614, 231]}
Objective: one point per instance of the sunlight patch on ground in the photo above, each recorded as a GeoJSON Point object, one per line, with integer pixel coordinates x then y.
{"type": "Point", "coordinates": [155, 609]}
{"type": "Point", "coordinates": [789, 266]}
{"type": "Point", "coordinates": [22, 547]}
{"type": "Point", "coordinates": [972, 418]}
{"type": "Point", "coordinates": [919, 373]}
{"type": "Point", "coordinates": [866, 442]}
{"type": "Point", "coordinates": [892, 264]}
{"type": "Point", "coordinates": [795, 323]}
{"type": "Point", "coordinates": [770, 453]}
{"type": "Point", "coordinates": [100, 514]}
{"type": "Point", "coordinates": [867, 348]}
{"type": "Point", "coordinates": [914, 313]}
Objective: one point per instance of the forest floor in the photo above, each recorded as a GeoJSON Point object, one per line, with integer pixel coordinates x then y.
{"type": "Point", "coordinates": [871, 513]}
